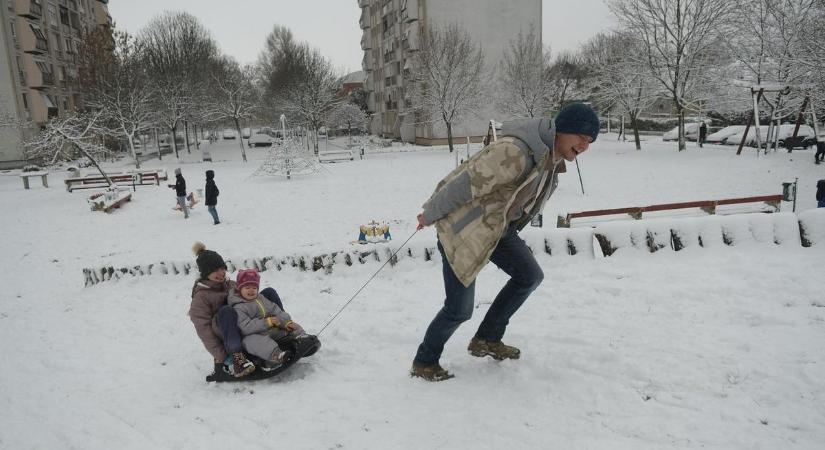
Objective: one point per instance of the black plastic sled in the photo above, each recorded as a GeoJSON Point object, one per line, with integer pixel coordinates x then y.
{"type": "Point", "coordinates": [302, 347]}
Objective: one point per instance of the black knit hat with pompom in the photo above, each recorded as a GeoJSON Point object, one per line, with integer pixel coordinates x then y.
{"type": "Point", "coordinates": [208, 261]}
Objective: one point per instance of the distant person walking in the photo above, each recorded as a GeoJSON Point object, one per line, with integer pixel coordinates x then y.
{"type": "Point", "coordinates": [703, 133]}
{"type": "Point", "coordinates": [180, 192]}
{"type": "Point", "coordinates": [820, 194]}
{"type": "Point", "coordinates": [819, 156]}
{"type": "Point", "coordinates": [212, 193]}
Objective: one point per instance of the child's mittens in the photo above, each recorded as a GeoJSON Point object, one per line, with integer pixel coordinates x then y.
{"type": "Point", "coordinates": [273, 322]}
{"type": "Point", "coordinates": [292, 326]}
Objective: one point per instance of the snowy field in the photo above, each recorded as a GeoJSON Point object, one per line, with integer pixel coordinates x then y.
{"type": "Point", "coordinates": [712, 348]}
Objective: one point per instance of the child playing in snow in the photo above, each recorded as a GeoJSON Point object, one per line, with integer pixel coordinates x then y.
{"type": "Point", "coordinates": [265, 327]}
{"type": "Point", "coordinates": [212, 193]}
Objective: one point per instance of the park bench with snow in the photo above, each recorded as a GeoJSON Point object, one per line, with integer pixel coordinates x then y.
{"type": "Point", "coordinates": [137, 178]}
{"type": "Point", "coordinates": [771, 204]}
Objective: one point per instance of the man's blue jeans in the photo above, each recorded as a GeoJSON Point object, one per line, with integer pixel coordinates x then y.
{"type": "Point", "coordinates": [510, 255]}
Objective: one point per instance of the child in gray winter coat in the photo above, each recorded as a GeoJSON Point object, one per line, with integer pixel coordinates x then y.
{"type": "Point", "coordinates": [263, 323]}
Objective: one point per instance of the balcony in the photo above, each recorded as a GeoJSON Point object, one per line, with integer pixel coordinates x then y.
{"type": "Point", "coordinates": [366, 40]}
{"type": "Point", "coordinates": [363, 3]}
{"type": "Point", "coordinates": [367, 62]}
{"type": "Point", "coordinates": [28, 8]}
{"type": "Point", "coordinates": [410, 12]}
{"type": "Point", "coordinates": [32, 39]}
{"type": "Point", "coordinates": [38, 74]}
{"type": "Point", "coordinates": [41, 107]}
{"type": "Point", "coordinates": [102, 17]}
{"type": "Point", "coordinates": [364, 21]}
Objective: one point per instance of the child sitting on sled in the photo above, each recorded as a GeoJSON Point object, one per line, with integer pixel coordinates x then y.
{"type": "Point", "coordinates": [267, 329]}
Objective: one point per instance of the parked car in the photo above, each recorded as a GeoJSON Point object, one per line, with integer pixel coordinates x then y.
{"type": "Point", "coordinates": [260, 140]}
{"type": "Point", "coordinates": [229, 134]}
{"type": "Point", "coordinates": [246, 133]}
{"type": "Point", "coordinates": [691, 133]}
{"type": "Point", "coordinates": [785, 131]}
{"type": "Point", "coordinates": [720, 136]}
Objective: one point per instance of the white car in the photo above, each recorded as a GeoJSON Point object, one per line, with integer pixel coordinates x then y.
{"type": "Point", "coordinates": [260, 140]}
{"type": "Point", "coordinates": [691, 133]}
{"type": "Point", "coordinates": [785, 131]}
{"type": "Point", "coordinates": [722, 135]}
{"type": "Point", "coordinates": [229, 134]}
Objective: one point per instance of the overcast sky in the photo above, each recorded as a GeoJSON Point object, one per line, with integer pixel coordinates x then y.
{"type": "Point", "coordinates": [240, 26]}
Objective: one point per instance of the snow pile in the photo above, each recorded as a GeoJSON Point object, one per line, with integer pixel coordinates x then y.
{"type": "Point", "coordinates": [812, 226]}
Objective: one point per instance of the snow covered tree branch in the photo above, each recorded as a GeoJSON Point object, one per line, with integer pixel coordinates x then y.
{"type": "Point", "coordinates": [446, 79]}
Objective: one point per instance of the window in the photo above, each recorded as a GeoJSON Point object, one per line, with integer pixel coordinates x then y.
{"type": "Point", "coordinates": [61, 74]}
{"type": "Point", "coordinates": [42, 43]}
{"type": "Point", "coordinates": [25, 102]}
{"type": "Point", "coordinates": [13, 30]}
{"type": "Point", "coordinates": [44, 68]}
{"type": "Point", "coordinates": [57, 47]}
{"type": "Point", "coordinates": [69, 46]}
{"type": "Point", "coordinates": [53, 15]}
{"type": "Point", "coordinates": [64, 15]}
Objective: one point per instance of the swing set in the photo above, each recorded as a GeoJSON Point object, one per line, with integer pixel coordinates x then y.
{"type": "Point", "coordinates": [758, 94]}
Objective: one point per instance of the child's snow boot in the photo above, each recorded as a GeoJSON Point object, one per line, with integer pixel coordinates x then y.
{"type": "Point", "coordinates": [241, 366]}
{"type": "Point", "coordinates": [498, 350]}
{"type": "Point", "coordinates": [277, 358]}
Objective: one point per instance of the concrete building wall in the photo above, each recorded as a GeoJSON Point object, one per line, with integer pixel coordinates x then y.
{"type": "Point", "coordinates": [39, 40]}
{"type": "Point", "coordinates": [392, 31]}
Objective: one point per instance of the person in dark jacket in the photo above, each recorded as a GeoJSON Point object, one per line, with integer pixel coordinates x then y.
{"type": "Point", "coordinates": [180, 192]}
{"type": "Point", "coordinates": [820, 194]}
{"type": "Point", "coordinates": [819, 156]}
{"type": "Point", "coordinates": [703, 133]}
{"type": "Point", "coordinates": [212, 193]}
{"type": "Point", "coordinates": [216, 323]}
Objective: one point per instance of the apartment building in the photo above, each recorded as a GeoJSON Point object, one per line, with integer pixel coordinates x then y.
{"type": "Point", "coordinates": [39, 41]}
{"type": "Point", "coordinates": [391, 35]}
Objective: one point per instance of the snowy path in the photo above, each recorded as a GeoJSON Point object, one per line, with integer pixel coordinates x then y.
{"type": "Point", "coordinates": [709, 348]}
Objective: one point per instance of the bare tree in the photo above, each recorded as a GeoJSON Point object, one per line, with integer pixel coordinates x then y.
{"type": "Point", "coordinates": [279, 67]}
{"type": "Point", "coordinates": [120, 89]}
{"type": "Point", "coordinates": [677, 39]}
{"type": "Point", "coordinates": [446, 79]}
{"type": "Point", "coordinates": [767, 46]}
{"type": "Point", "coordinates": [66, 138]}
{"type": "Point", "coordinates": [616, 80]}
{"type": "Point", "coordinates": [178, 49]}
{"type": "Point", "coordinates": [524, 82]}
{"type": "Point", "coordinates": [311, 98]}
{"type": "Point", "coordinates": [565, 75]}
{"type": "Point", "coordinates": [235, 98]}
{"type": "Point", "coordinates": [347, 115]}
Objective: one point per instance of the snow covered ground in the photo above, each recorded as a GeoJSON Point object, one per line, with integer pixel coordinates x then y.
{"type": "Point", "coordinates": [706, 348]}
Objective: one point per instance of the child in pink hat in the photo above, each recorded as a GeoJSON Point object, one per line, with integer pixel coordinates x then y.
{"type": "Point", "coordinates": [265, 326]}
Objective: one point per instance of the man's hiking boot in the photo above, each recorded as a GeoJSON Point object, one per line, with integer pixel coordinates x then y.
{"type": "Point", "coordinates": [498, 350]}
{"type": "Point", "coordinates": [241, 366]}
{"type": "Point", "coordinates": [430, 372]}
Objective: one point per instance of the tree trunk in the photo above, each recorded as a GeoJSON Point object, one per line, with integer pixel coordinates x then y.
{"type": "Point", "coordinates": [175, 140]}
{"type": "Point", "coordinates": [157, 145]}
{"type": "Point", "coordinates": [240, 139]}
{"type": "Point", "coordinates": [681, 113]}
{"type": "Point", "coordinates": [635, 124]}
{"type": "Point", "coordinates": [132, 149]}
{"type": "Point", "coordinates": [186, 135]}
{"type": "Point", "coordinates": [450, 135]}
{"type": "Point", "coordinates": [197, 138]}
{"type": "Point", "coordinates": [94, 163]}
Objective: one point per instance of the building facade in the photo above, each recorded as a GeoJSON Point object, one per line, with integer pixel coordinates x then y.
{"type": "Point", "coordinates": [391, 35]}
{"type": "Point", "coordinates": [39, 42]}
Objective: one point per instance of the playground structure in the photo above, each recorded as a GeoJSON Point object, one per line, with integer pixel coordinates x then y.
{"type": "Point", "coordinates": [758, 94]}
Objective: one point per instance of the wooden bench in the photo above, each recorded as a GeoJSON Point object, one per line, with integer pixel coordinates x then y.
{"type": "Point", "coordinates": [147, 178]}
{"type": "Point", "coordinates": [708, 206]}
{"type": "Point", "coordinates": [44, 178]}
{"type": "Point", "coordinates": [335, 155]}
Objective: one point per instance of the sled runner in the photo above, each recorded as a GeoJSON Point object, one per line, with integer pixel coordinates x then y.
{"type": "Point", "coordinates": [302, 347]}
